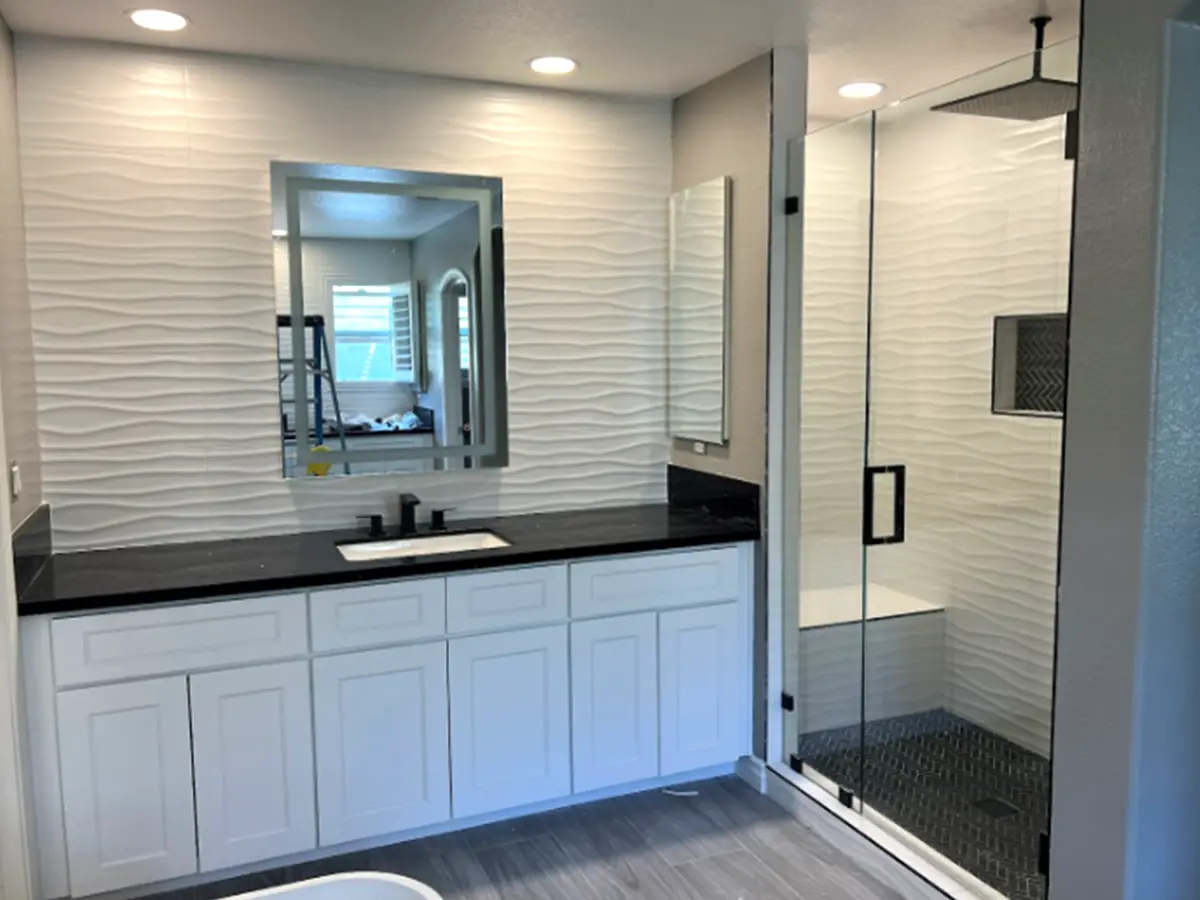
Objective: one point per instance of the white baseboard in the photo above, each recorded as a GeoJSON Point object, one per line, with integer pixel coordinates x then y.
{"type": "Point", "coordinates": [893, 856]}
{"type": "Point", "coordinates": [753, 771]}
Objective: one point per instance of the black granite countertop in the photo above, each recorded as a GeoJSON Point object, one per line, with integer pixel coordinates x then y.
{"type": "Point", "coordinates": [100, 579]}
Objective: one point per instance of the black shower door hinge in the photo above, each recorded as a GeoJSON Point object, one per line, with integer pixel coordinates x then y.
{"type": "Point", "coordinates": [788, 702]}
{"type": "Point", "coordinates": [1071, 138]}
{"type": "Point", "coordinates": [791, 206]}
{"type": "Point", "coordinates": [796, 763]}
{"type": "Point", "coordinates": [846, 797]}
{"type": "Point", "coordinates": [1044, 854]}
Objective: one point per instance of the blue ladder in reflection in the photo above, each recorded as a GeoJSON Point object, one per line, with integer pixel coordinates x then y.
{"type": "Point", "coordinates": [320, 367]}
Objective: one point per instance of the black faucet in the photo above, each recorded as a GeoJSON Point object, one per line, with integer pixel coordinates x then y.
{"type": "Point", "coordinates": [408, 514]}
{"type": "Point", "coordinates": [375, 528]}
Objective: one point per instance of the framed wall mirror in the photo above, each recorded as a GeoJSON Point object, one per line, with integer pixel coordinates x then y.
{"type": "Point", "coordinates": [392, 282]}
{"type": "Point", "coordinates": [698, 313]}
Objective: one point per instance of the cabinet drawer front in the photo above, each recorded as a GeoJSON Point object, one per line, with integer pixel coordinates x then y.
{"type": "Point", "coordinates": [377, 614]}
{"type": "Point", "coordinates": [175, 639]}
{"type": "Point", "coordinates": [608, 587]}
{"type": "Point", "coordinates": [506, 599]}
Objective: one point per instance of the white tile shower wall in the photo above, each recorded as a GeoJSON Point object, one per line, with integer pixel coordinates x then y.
{"type": "Point", "coordinates": [150, 259]}
{"type": "Point", "coordinates": [973, 220]}
{"type": "Point", "coordinates": [837, 194]}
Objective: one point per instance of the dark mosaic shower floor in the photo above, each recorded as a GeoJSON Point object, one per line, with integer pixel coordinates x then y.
{"type": "Point", "coordinates": [975, 797]}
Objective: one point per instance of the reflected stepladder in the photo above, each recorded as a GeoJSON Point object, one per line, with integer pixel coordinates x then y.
{"type": "Point", "coordinates": [392, 282]}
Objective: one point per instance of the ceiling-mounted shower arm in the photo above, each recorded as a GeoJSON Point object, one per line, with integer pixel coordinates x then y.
{"type": "Point", "coordinates": [1031, 100]}
{"type": "Point", "coordinates": [1039, 23]}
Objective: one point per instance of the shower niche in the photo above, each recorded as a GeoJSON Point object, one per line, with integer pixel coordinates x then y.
{"type": "Point", "coordinates": [1029, 365]}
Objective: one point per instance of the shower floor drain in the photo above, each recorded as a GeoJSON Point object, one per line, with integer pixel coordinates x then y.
{"type": "Point", "coordinates": [995, 807]}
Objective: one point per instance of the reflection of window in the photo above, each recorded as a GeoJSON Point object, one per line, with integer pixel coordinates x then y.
{"type": "Point", "coordinates": [464, 332]}
{"type": "Point", "coordinates": [373, 332]}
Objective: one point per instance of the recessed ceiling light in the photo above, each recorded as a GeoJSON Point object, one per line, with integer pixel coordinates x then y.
{"type": "Point", "coordinates": [158, 19]}
{"type": "Point", "coordinates": [861, 90]}
{"type": "Point", "coordinates": [553, 65]}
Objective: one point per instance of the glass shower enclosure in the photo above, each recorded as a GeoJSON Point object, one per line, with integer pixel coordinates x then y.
{"type": "Point", "coordinates": [932, 384]}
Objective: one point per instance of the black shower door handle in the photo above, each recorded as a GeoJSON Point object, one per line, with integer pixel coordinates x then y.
{"type": "Point", "coordinates": [899, 474]}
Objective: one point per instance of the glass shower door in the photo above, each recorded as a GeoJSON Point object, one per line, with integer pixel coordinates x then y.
{"type": "Point", "coordinates": [969, 285]}
{"type": "Point", "coordinates": [827, 665]}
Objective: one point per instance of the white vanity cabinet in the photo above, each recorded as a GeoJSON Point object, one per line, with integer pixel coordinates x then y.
{"type": "Point", "coordinates": [172, 740]}
{"type": "Point", "coordinates": [253, 763]}
{"type": "Point", "coordinates": [383, 741]}
{"type": "Point", "coordinates": [510, 738]}
{"type": "Point", "coordinates": [126, 762]}
{"type": "Point", "coordinates": [614, 689]}
{"type": "Point", "coordinates": [702, 703]}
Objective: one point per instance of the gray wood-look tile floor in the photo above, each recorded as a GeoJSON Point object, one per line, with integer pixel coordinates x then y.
{"type": "Point", "coordinates": [726, 843]}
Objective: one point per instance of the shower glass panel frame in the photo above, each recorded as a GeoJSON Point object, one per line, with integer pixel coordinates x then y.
{"type": "Point", "coordinates": [827, 664]}
{"type": "Point", "coordinates": [922, 661]}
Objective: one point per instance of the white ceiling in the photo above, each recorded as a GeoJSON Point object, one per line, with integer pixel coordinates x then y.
{"type": "Point", "coordinates": [653, 47]}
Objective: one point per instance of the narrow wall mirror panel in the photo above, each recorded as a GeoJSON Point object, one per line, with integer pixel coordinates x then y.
{"type": "Point", "coordinates": [697, 315]}
{"type": "Point", "coordinates": [392, 282]}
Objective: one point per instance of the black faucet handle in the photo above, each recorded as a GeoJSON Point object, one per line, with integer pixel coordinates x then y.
{"type": "Point", "coordinates": [437, 518]}
{"type": "Point", "coordinates": [408, 514]}
{"type": "Point", "coordinates": [376, 524]}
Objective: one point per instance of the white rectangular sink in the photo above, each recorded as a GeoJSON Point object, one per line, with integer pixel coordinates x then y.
{"type": "Point", "coordinates": [422, 546]}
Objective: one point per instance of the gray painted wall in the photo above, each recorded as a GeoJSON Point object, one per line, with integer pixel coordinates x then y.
{"type": "Point", "coordinates": [1126, 817]}
{"type": "Point", "coordinates": [16, 341]}
{"type": "Point", "coordinates": [724, 128]}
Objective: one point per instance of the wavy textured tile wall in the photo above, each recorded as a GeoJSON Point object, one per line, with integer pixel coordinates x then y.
{"type": "Point", "coordinates": [150, 261]}
{"type": "Point", "coordinates": [833, 377]}
{"type": "Point", "coordinates": [973, 220]}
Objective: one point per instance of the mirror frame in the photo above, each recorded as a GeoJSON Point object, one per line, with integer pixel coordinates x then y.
{"type": "Point", "coordinates": [492, 432]}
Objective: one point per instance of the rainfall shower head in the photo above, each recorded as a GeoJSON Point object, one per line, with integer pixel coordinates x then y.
{"type": "Point", "coordinates": [1030, 100]}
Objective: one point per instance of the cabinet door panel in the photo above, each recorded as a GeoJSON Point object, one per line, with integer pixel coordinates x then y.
{"type": "Point", "coordinates": [382, 737]}
{"type": "Point", "coordinates": [252, 740]}
{"type": "Point", "coordinates": [614, 693]}
{"type": "Point", "coordinates": [127, 784]}
{"type": "Point", "coordinates": [703, 716]}
{"type": "Point", "coordinates": [509, 719]}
